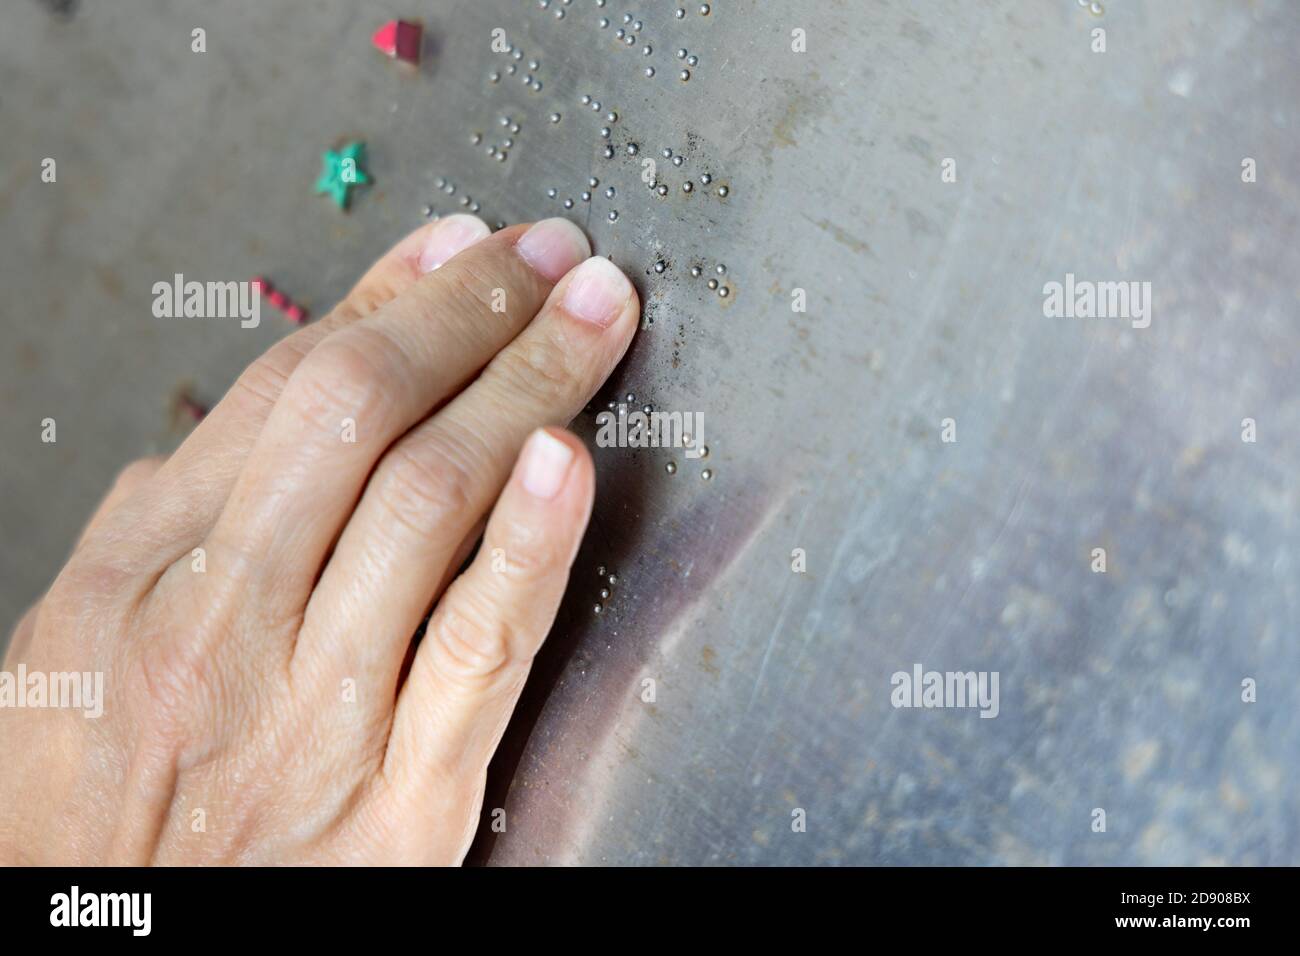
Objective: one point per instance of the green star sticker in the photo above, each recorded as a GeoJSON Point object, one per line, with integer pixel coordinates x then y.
{"type": "Point", "coordinates": [340, 171]}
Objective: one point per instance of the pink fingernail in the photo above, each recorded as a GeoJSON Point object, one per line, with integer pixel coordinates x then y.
{"type": "Point", "coordinates": [553, 247]}
{"type": "Point", "coordinates": [545, 465]}
{"type": "Point", "coordinates": [597, 292]}
{"type": "Point", "coordinates": [450, 236]}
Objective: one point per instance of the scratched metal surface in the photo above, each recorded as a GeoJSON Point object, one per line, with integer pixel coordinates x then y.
{"type": "Point", "coordinates": [1119, 691]}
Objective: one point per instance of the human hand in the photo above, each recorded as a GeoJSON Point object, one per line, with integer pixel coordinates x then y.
{"type": "Point", "coordinates": [251, 601]}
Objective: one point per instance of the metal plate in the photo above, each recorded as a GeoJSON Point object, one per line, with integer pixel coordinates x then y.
{"type": "Point", "coordinates": [925, 301]}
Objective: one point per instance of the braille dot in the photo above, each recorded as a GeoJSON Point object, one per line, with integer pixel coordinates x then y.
{"type": "Point", "coordinates": [704, 451]}
{"type": "Point", "coordinates": [501, 156]}
{"type": "Point", "coordinates": [611, 116]}
{"type": "Point", "coordinates": [605, 593]}
{"type": "Point", "coordinates": [476, 138]}
{"type": "Point", "coordinates": [568, 204]}
{"type": "Point", "coordinates": [629, 39]}
{"type": "Point", "coordinates": [695, 271]}
{"type": "Point", "coordinates": [706, 179]}
{"type": "Point", "coordinates": [518, 54]}
{"type": "Point", "coordinates": [604, 132]}
{"type": "Point", "coordinates": [604, 22]}
{"type": "Point", "coordinates": [659, 267]}
{"type": "Point", "coordinates": [514, 127]}
{"type": "Point", "coordinates": [528, 80]}
{"type": "Point", "coordinates": [441, 182]}
{"type": "Point", "coordinates": [474, 207]}
{"type": "Point", "coordinates": [667, 152]}
{"type": "Point", "coordinates": [555, 117]}
{"type": "Point", "coordinates": [661, 189]}
{"type": "Point", "coordinates": [723, 190]}
{"type": "Point", "coordinates": [671, 468]}
{"type": "Point", "coordinates": [724, 291]}
{"type": "Point", "coordinates": [559, 14]}
{"type": "Point", "coordinates": [586, 197]}
{"type": "Point", "coordinates": [681, 54]}
{"type": "Point", "coordinates": [707, 474]}
{"type": "Point", "coordinates": [677, 160]}
{"type": "Point", "coordinates": [620, 33]}
{"type": "Point", "coordinates": [692, 60]}
{"type": "Point", "coordinates": [632, 149]}
{"type": "Point", "coordinates": [533, 65]}
{"type": "Point", "coordinates": [585, 99]}
{"type": "Point", "coordinates": [597, 608]}
{"type": "Point", "coordinates": [721, 269]}
{"type": "Point", "coordinates": [609, 152]}
{"type": "Point", "coordinates": [427, 210]}
{"type": "Point", "coordinates": [504, 121]}
{"type": "Point", "coordinates": [627, 18]}
{"type": "Point", "coordinates": [465, 200]}
{"type": "Point", "coordinates": [631, 397]}
{"type": "Point", "coordinates": [507, 143]}
{"type": "Point", "coordinates": [684, 76]}
{"type": "Point", "coordinates": [550, 193]}
{"type": "Point", "coordinates": [687, 186]}
{"type": "Point", "coordinates": [609, 193]}
{"type": "Point", "coordinates": [613, 215]}
{"type": "Point", "coordinates": [649, 71]}
{"type": "Point", "coordinates": [593, 182]}
{"type": "Point", "coordinates": [601, 571]}
{"type": "Point", "coordinates": [647, 409]}
{"type": "Point", "coordinates": [637, 25]}
{"type": "Point", "coordinates": [646, 50]}
{"type": "Point", "coordinates": [704, 9]}
{"type": "Point", "coordinates": [537, 85]}
{"type": "Point", "coordinates": [679, 13]}
{"type": "Point", "coordinates": [713, 283]}
{"type": "Point", "coordinates": [512, 69]}
{"type": "Point", "coordinates": [612, 579]}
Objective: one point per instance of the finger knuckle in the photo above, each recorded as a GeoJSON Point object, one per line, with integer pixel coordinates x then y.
{"type": "Point", "coordinates": [471, 648]}
{"type": "Point", "coordinates": [136, 473]}
{"type": "Point", "coordinates": [426, 485]}
{"type": "Point", "coordinates": [531, 553]}
{"type": "Point", "coordinates": [342, 379]}
{"type": "Point", "coordinates": [538, 367]}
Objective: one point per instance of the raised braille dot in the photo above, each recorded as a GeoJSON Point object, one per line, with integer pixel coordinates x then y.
{"type": "Point", "coordinates": [609, 152]}
{"type": "Point", "coordinates": [631, 397]}
{"type": "Point", "coordinates": [713, 283]}
{"type": "Point", "coordinates": [474, 207]}
{"type": "Point", "coordinates": [681, 54]}
{"type": "Point", "coordinates": [667, 152]}
{"type": "Point", "coordinates": [507, 143]}
{"type": "Point", "coordinates": [720, 269]}
{"type": "Point", "coordinates": [494, 77]}
{"type": "Point", "coordinates": [647, 50]}
{"type": "Point", "coordinates": [597, 608]}
{"type": "Point", "coordinates": [533, 65]}
{"type": "Point", "coordinates": [502, 156]}
{"type": "Point", "coordinates": [586, 196]}
{"type": "Point", "coordinates": [604, 132]}
{"type": "Point", "coordinates": [476, 138]}
{"type": "Point", "coordinates": [568, 204]}
{"type": "Point", "coordinates": [518, 54]}
{"type": "Point", "coordinates": [550, 193]}
{"type": "Point", "coordinates": [555, 117]}
{"type": "Point", "coordinates": [613, 215]}
{"type": "Point", "coordinates": [442, 182]}
{"type": "Point", "coordinates": [695, 271]}
{"type": "Point", "coordinates": [620, 33]}
{"type": "Point", "coordinates": [609, 193]}
{"type": "Point", "coordinates": [559, 14]}
{"type": "Point", "coordinates": [585, 99]}
{"type": "Point", "coordinates": [465, 200]}
{"type": "Point", "coordinates": [661, 189]}
{"type": "Point", "coordinates": [632, 149]}
{"type": "Point", "coordinates": [704, 451]}
{"type": "Point", "coordinates": [512, 69]}
{"type": "Point", "coordinates": [514, 127]}
{"type": "Point", "coordinates": [504, 121]}
{"type": "Point", "coordinates": [537, 85]}
{"type": "Point", "coordinates": [605, 593]}
{"type": "Point", "coordinates": [601, 570]}
{"type": "Point", "coordinates": [684, 76]}
{"type": "Point", "coordinates": [679, 13]}
{"type": "Point", "coordinates": [706, 179]}
{"type": "Point", "coordinates": [671, 468]}
{"type": "Point", "coordinates": [427, 210]}
{"type": "Point", "coordinates": [611, 116]}
{"type": "Point", "coordinates": [604, 22]}
{"type": "Point", "coordinates": [687, 186]}
{"type": "Point", "coordinates": [612, 579]}
{"type": "Point", "coordinates": [704, 9]}
{"type": "Point", "coordinates": [593, 182]}
{"type": "Point", "coordinates": [630, 39]}
{"type": "Point", "coordinates": [724, 291]}
{"type": "Point", "coordinates": [677, 160]}
{"type": "Point", "coordinates": [627, 18]}
{"type": "Point", "coordinates": [659, 267]}
{"type": "Point", "coordinates": [649, 71]}
{"type": "Point", "coordinates": [637, 25]}
{"type": "Point", "coordinates": [692, 60]}
{"type": "Point", "coordinates": [707, 474]}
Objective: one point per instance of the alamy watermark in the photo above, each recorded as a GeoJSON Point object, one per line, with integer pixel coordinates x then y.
{"type": "Point", "coordinates": [67, 690]}
{"type": "Point", "coordinates": [208, 300]}
{"type": "Point", "coordinates": [941, 689]}
{"type": "Point", "coordinates": [651, 429]}
{"type": "Point", "coordinates": [1084, 299]}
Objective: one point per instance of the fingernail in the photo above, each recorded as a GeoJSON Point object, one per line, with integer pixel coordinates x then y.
{"type": "Point", "coordinates": [553, 247]}
{"type": "Point", "coordinates": [597, 292]}
{"type": "Point", "coordinates": [545, 465]}
{"type": "Point", "coordinates": [450, 236]}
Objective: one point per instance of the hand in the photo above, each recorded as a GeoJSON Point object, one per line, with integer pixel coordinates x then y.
{"type": "Point", "coordinates": [251, 602]}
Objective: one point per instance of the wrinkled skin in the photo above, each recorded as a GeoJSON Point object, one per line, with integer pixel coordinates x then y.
{"type": "Point", "coordinates": [251, 600]}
